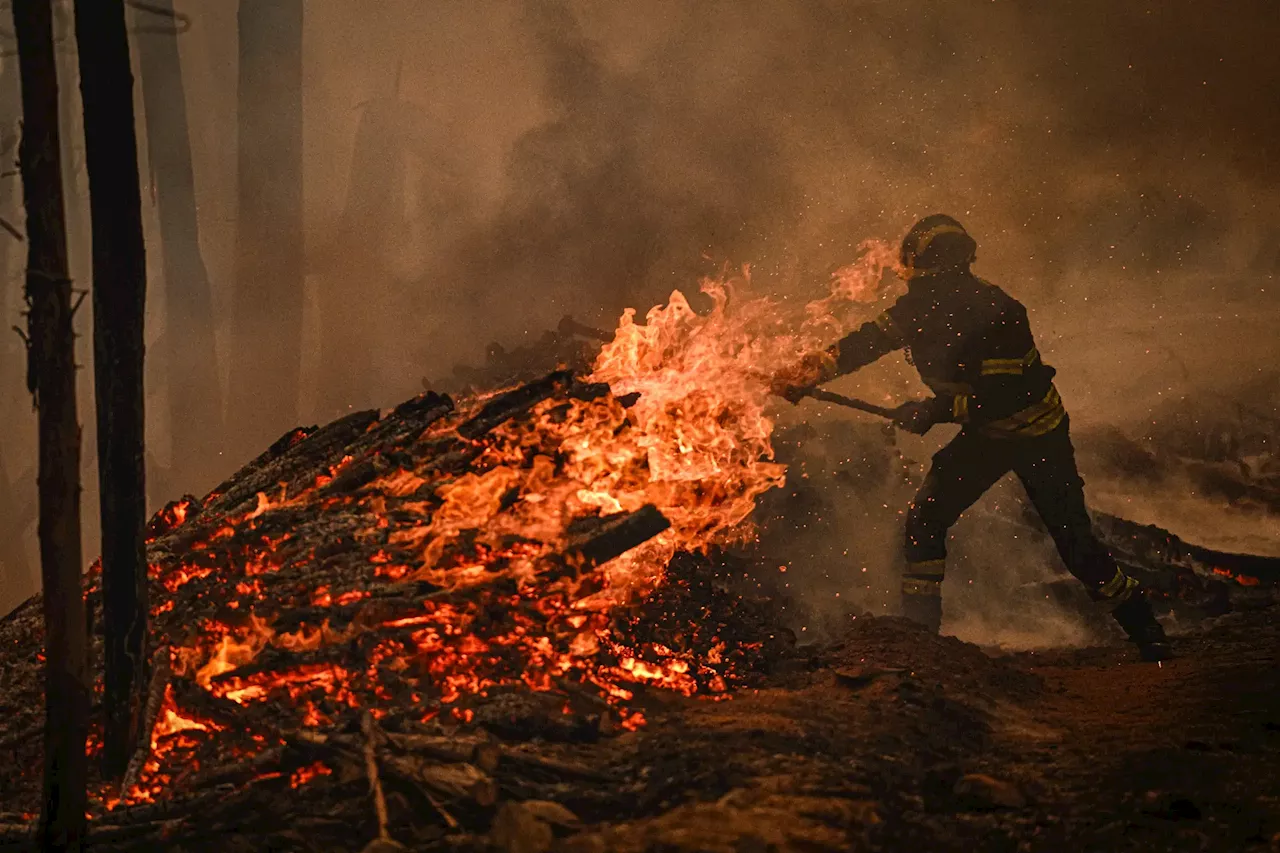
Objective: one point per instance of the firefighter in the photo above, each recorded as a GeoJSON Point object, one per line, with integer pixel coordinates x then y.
{"type": "Point", "coordinates": [972, 345]}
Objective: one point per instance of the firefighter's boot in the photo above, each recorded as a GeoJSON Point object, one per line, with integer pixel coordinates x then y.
{"type": "Point", "coordinates": [1135, 617]}
{"type": "Point", "coordinates": [922, 601]}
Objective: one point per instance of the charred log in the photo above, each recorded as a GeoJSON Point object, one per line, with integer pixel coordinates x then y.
{"type": "Point", "coordinates": [1146, 544]}
{"type": "Point", "coordinates": [599, 540]}
{"type": "Point", "coordinates": [512, 403]}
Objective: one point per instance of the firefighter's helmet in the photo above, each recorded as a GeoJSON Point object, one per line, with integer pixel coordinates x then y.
{"type": "Point", "coordinates": [936, 244]}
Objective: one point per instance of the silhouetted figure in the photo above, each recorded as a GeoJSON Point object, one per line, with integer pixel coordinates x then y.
{"type": "Point", "coordinates": [972, 345]}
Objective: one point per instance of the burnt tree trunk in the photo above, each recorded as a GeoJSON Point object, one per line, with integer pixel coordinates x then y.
{"type": "Point", "coordinates": [119, 298]}
{"type": "Point", "coordinates": [267, 306]}
{"type": "Point", "coordinates": [195, 396]}
{"type": "Point", "coordinates": [51, 378]}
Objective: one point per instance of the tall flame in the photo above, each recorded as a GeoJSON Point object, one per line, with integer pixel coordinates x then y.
{"type": "Point", "coordinates": [703, 385]}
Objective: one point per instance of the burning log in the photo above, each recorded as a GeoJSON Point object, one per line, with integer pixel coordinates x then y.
{"type": "Point", "coordinates": [598, 540]}
{"type": "Point", "coordinates": [512, 403]}
{"type": "Point", "coordinates": [238, 772]}
{"type": "Point", "coordinates": [230, 716]}
{"type": "Point", "coordinates": [294, 458]}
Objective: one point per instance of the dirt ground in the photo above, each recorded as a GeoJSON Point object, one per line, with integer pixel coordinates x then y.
{"type": "Point", "coordinates": [899, 741]}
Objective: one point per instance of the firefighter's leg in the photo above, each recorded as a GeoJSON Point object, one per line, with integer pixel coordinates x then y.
{"type": "Point", "coordinates": [961, 472]}
{"type": "Point", "coordinates": [1047, 468]}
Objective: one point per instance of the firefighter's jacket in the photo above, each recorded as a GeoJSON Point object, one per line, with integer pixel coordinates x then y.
{"type": "Point", "coordinates": [972, 344]}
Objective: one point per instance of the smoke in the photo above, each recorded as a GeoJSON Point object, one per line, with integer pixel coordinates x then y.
{"type": "Point", "coordinates": [998, 575]}
{"type": "Point", "coordinates": [612, 200]}
{"type": "Point", "coordinates": [547, 157]}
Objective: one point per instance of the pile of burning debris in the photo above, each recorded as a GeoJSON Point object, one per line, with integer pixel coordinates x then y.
{"type": "Point", "coordinates": [301, 633]}
{"type": "Point", "coordinates": [373, 587]}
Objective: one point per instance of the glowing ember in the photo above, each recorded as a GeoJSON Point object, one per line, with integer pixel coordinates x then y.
{"type": "Point", "coordinates": [303, 775]}
{"type": "Point", "coordinates": [1243, 580]}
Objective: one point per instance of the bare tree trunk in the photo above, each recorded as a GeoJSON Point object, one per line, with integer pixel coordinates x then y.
{"type": "Point", "coordinates": [195, 396]}
{"type": "Point", "coordinates": [51, 377]}
{"type": "Point", "coordinates": [119, 302]}
{"type": "Point", "coordinates": [267, 306]}
{"type": "Point", "coordinates": [374, 210]}
{"type": "Point", "coordinates": [17, 510]}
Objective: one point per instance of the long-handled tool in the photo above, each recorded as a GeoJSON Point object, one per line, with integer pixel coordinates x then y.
{"type": "Point", "coordinates": [839, 399]}
{"type": "Point", "coordinates": [851, 403]}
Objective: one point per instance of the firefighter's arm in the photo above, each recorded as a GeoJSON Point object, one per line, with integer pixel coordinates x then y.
{"type": "Point", "coordinates": [873, 340]}
{"type": "Point", "coordinates": [952, 408]}
{"type": "Point", "coordinates": [869, 342]}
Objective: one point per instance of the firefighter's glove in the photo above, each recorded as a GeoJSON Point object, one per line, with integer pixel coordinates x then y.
{"type": "Point", "coordinates": [794, 382]}
{"type": "Point", "coordinates": [918, 416]}
{"type": "Point", "coordinates": [793, 394]}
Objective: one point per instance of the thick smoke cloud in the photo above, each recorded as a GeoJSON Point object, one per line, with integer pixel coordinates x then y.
{"type": "Point", "coordinates": [613, 199]}
{"type": "Point", "coordinates": [1101, 156]}
{"type": "Point", "coordinates": [1115, 162]}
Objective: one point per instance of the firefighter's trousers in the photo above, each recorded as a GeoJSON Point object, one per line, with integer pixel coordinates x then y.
{"type": "Point", "coordinates": [968, 466]}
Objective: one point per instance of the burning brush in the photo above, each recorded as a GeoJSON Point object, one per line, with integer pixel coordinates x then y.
{"type": "Point", "coordinates": [415, 564]}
